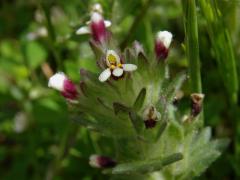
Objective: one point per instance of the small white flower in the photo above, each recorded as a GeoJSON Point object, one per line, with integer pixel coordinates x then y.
{"type": "Point", "coordinates": [165, 37]}
{"type": "Point", "coordinates": [115, 67]}
{"type": "Point", "coordinates": [86, 29]}
{"type": "Point", "coordinates": [93, 161]}
{"type": "Point", "coordinates": [57, 81]}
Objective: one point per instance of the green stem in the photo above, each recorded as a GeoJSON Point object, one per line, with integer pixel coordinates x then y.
{"type": "Point", "coordinates": [191, 30]}
{"type": "Point", "coordinates": [192, 46]}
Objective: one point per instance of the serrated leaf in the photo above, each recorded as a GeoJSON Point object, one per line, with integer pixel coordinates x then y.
{"type": "Point", "coordinates": [146, 166]}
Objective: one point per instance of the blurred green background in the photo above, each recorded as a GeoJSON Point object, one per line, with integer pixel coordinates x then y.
{"type": "Point", "coordinates": [37, 139]}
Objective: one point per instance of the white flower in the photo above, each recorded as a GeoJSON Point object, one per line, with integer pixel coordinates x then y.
{"type": "Point", "coordinates": [115, 67]}
{"type": "Point", "coordinates": [165, 37]}
{"type": "Point", "coordinates": [57, 81]}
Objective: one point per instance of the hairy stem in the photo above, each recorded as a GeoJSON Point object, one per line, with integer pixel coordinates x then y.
{"type": "Point", "coordinates": [192, 46]}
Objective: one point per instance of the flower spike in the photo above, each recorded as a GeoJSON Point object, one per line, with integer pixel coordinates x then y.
{"type": "Point", "coordinates": [60, 82]}
{"type": "Point", "coordinates": [115, 67]}
{"type": "Point", "coordinates": [162, 44]}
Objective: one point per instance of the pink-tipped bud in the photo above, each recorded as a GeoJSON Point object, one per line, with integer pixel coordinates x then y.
{"type": "Point", "coordinates": [162, 43]}
{"type": "Point", "coordinates": [60, 82]}
{"type": "Point", "coordinates": [98, 28]}
{"type": "Point", "coordinates": [196, 103]}
{"type": "Point", "coordinates": [97, 8]}
{"type": "Point", "coordinates": [98, 161]}
{"type": "Point", "coordinates": [150, 117]}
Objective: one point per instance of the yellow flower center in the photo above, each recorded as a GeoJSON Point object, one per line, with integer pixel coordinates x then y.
{"type": "Point", "coordinates": [119, 65]}
{"type": "Point", "coordinates": [111, 59]}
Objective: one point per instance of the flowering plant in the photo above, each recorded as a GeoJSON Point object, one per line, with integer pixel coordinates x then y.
{"type": "Point", "coordinates": [132, 100]}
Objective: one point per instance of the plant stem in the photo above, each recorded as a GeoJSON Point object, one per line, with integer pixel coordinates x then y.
{"type": "Point", "coordinates": [135, 23]}
{"type": "Point", "coordinates": [192, 46]}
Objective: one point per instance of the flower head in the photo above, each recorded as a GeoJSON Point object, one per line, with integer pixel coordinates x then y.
{"type": "Point", "coordinates": [96, 26]}
{"type": "Point", "coordinates": [162, 44]}
{"type": "Point", "coordinates": [98, 161]}
{"type": "Point", "coordinates": [60, 82]}
{"type": "Point", "coordinates": [150, 116]}
{"type": "Point", "coordinates": [115, 67]}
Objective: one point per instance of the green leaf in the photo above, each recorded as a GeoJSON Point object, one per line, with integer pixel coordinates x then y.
{"type": "Point", "coordinates": [146, 166]}
{"type": "Point", "coordinates": [140, 99]}
{"type": "Point", "coordinates": [118, 107]}
{"type": "Point", "coordinates": [172, 88]}
{"type": "Point", "coordinates": [35, 54]}
{"type": "Point", "coordinates": [222, 46]}
{"type": "Point", "coordinates": [137, 122]}
{"type": "Point", "coordinates": [161, 129]}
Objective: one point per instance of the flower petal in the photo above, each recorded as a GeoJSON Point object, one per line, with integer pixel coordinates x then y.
{"type": "Point", "coordinates": [107, 23]}
{"type": "Point", "coordinates": [165, 37]}
{"type": "Point", "coordinates": [112, 58]}
{"type": "Point", "coordinates": [83, 30]}
{"type": "Point", "coordinates": [129, 67]}
{"type": "Point", "coordinates": [117, 72]}
{"type": "Point", "coordinates": [57, 81]}
{"type": "Point", "coordinates": [104, 75]}
{"type": "Point", "coordinates": [96, 17]}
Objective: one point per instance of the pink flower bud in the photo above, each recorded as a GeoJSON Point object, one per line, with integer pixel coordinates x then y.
{"type": "Point", "coordinates": [98, 28]}
{"type": "Point", "coordinates": [162, 43]}
{"type": "Point", "coordinates": [98, 161]}
{"type": "Point", "coordinates": [60, 82]}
